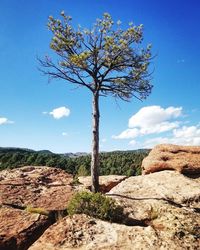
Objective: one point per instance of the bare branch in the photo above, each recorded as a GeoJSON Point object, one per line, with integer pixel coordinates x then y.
{"type": "Point", "coordinates": [61, 74]}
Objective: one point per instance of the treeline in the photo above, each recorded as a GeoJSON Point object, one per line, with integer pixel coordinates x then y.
{"type": "Point", "coordinates": [118, 162]}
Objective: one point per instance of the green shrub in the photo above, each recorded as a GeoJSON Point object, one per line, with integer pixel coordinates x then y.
{"type": "Point", "coordinates": [82, 171]}
{"type": "Point", "coordinates": [95, 205]}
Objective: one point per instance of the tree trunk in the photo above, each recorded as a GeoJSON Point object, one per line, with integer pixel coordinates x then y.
{"type": "Point", "coordinates": [95, 143]}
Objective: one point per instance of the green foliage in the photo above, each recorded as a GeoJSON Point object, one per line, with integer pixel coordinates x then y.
{"type": "Point", "coordinates": [114, 59]}
{"type": "Point", "coordinates": [82, 171]}
{"type": "Point", "coordinates": [119, 162]}
{"type": "Point", "coordinates": [122, 162]}
{"type": "Point", "coordinates": [95, 205]}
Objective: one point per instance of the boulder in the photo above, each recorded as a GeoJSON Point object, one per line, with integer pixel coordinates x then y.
{"type": "Point", "coordinates": [167, 201]}
{"type": "Point", "coordinates": [165, 185]}
{"type": "Point", "coordinates": [184, 159]}
{"type": "Point", "coordinates": [106, 182]}
{"type": "Point", "coordinates": [38, 187]}
{"type": "Point", "coordinates": [83, 232]}
{"type": "Point", "coordinates": [19, 229]}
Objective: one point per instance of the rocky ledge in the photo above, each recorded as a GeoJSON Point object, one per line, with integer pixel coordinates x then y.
{"type": "Point", "coordinates": [40, 187]}
{"type": "Point", "coordinates": [19, 229]}
{"type": "Point", "coordinates": [32, 198]}
{"type": "Point", "coordinates": [184, 159]}
{"type": "Point", "coordinates": [166, 203]}
{"type": "Point", "coordinates": [162, 208]}
{"type": "Point", "coordinates": [83, 232]}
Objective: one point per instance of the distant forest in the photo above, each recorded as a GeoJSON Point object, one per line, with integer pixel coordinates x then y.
{"type": "Point", "coordinates": [117, 162]}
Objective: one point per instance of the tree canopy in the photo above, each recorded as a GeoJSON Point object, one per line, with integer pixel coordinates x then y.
{"type": "Point", "coordinates": [105, 58]}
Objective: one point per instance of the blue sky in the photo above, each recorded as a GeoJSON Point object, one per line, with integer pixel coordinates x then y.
{"type": "Point", "coordinates": [29, 104]}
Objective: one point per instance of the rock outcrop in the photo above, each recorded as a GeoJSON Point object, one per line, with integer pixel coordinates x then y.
{"type": "Point", "coordinates": [161, 186]}
{"type": "Point", "coordinates": [106, 182]}
{"type": "Point", "coordinates": [19, 229]}
{"type": "Point", "coordinates": [40, 187]}
{"type": "Point", "coordinates": [162, 210]}
{"type": "Point", "coordinates": [184, 159]}
{"type": "Point", "coordinates": [167, 201]}
{"type": "Point", "coordinates": [83, 232]}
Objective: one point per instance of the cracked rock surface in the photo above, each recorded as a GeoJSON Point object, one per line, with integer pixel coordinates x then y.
{"type": "Point", "coordinates": [83, 232]}
{"type": "Point", "coordinates": [19, 229]}
{"type": "Point", "coordinates": [43, 187]}
{"type": "Point", "coordinates": [168, 201]}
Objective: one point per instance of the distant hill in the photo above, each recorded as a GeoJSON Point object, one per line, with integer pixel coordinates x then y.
{"type": "Point", "coordinates": [27, 150]}
{"type": "Point", "coordinates": [22, 150]}
{"type": "Point", "coordinates": [116, 162]}
{"type": "Point", "coordinates": [140, 150]}
{"type": "Point", "coordinates": [13, 149]}
{"type": "Point", "coordinates": [72, 155]}
{"type": "Point", "coordinates": [44, 152]}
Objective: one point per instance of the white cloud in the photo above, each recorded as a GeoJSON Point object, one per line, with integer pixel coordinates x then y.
{"type": "Point", "coordinates": [187, 132]}
{"type": "Point", "coordinates": [153, 115]}
{"type": "Point", "coordinates": [4, 120]}
{"type": "Point", "coordinates": [151, 120]}
{"type": "Point", "coordinates": [64, 134]}
{"type": "Point", "coordinates": [159, 128]}
{"type": "Point", "coordinates": [178, 141]}
{"type": "Point", "coordinates": [189, 136]}
{"type": "Point", "coordinates": [104, 140]}
{"type": "Point", "coordinates": [133, 143]}
{"type": "Point", "coordinates": [155, 120]}
{"type": "Point", "coordinates": [60, 112]}
{"type": "Point", "coordinates": [150, 143]}
{"type": "Point", "coordinates": [127, 134]}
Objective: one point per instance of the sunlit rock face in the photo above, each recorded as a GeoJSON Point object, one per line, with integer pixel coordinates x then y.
{"type": "Point", "coordinates": [184, 159]}
{"type": "Point", "coordinates": [168, 201]}
{"type": "Point", "coordinates": [30, 198]}
{"type": "Point", "coordinates": [19, 228]}
{"type": "Point", "coordinates": [43, 187]}
{"type": "Point", "coordinates": [83, 232]}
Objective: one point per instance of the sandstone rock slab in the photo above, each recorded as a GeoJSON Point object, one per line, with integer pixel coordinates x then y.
{"type": "Point", "coordinates": [43, 187]}
{"type": "Point", "coordinates": [19, 229]}
{"type": "Point", "coordinates": [83, 232]}
{"type": "Point", "coordinates": [165, 185]}
{"type": "Point", "coordinates": [167, 201]}
{"type": "Point", "coordinates": [184, 159]}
